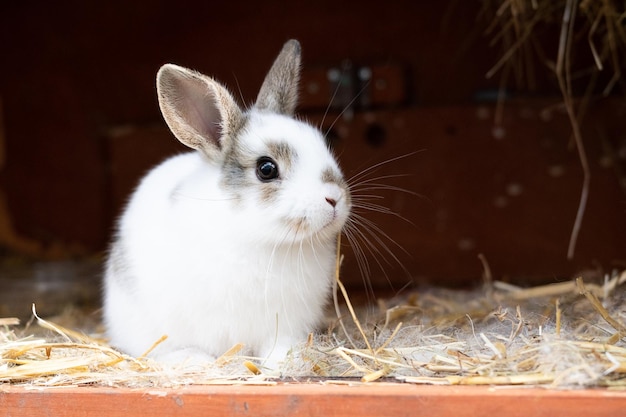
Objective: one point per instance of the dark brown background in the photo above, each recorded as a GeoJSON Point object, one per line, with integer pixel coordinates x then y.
{"type": "Point", "coordinates": [81, 124]}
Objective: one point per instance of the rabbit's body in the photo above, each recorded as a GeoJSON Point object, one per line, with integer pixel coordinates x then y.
{"type": "Point", "coordinates": [220, 246]}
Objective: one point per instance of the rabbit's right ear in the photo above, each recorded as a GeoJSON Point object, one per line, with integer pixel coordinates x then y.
{"type": "Point", "coordinates": [279, 91]}
{"type": "Point", "coordinates": [199, 111]}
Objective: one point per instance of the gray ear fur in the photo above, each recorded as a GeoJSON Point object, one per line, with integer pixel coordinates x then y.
{"type": "Point", "coordinates": [199, 111]}
{"type": "Point", "coordinates": [279, 92]}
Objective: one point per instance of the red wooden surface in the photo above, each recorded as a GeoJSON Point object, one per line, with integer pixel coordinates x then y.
{"type": "Point", "coordinates": [312, 399]}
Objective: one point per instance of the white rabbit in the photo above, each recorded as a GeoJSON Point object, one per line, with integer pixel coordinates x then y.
{"type": "Point", "coordinates": [235, 241]}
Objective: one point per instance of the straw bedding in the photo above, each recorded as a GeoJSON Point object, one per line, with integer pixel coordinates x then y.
{"type": "Point", "coordinates": [568, 334]}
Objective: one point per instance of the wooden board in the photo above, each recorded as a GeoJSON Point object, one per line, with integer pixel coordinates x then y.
{"type": "Point", "coordinates": [511, 196]}
{"type": "Point", "coordinates": [312, 399]}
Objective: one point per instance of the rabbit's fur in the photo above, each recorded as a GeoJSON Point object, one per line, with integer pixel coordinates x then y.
{"type": "Point", "coordinates": [235, 241]}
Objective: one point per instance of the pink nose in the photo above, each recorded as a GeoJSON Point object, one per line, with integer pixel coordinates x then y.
{"type": "Point", "coordinates": [331, 201]}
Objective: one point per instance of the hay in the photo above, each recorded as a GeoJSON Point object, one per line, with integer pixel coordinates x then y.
{"type": "Point", "coordinates": [458, 338]}
{"type": "Point", "coordinates": [70, 358]}
{"type": "Point", "coordinates": [568, 334]}
{"type": "Point", "coordinates": [596, 26]}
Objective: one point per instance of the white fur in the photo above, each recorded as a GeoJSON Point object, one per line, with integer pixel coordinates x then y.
{"type": "Point", "coordinates": [209, 253]}
{"type": "Point", "coordinates": [210, 271]}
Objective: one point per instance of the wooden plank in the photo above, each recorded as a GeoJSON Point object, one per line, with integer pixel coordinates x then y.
{"type": "Point", "coordinates": [511, 196]}
{"type": "Point", "coordinates": [312, 399]}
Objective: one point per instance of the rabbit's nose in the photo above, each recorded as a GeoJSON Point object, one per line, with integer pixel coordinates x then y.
{"type": "Point", "coordinates": [331, 201]}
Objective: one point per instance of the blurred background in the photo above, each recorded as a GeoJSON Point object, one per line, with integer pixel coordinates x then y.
{"type": "Point", "coordinates": [475, 98]}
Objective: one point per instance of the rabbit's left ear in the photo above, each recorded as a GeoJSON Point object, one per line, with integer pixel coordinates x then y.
{"type": "Point", "coordinates": [279, 92]}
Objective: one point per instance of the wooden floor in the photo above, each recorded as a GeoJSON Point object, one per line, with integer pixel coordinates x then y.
{"type": "Point", "coordinates": [379, 399]}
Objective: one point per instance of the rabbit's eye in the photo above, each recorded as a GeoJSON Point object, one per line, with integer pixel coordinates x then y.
{"type": "Point", "coordinates": [266, 169]}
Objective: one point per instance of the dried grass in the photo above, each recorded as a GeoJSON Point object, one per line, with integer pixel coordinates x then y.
{"type": "Point", "coordinates": [592, 26]}
{"type": "Point", "coordinates": [68, 358]}
{"type": "Point", "coordinates": [560, 335]}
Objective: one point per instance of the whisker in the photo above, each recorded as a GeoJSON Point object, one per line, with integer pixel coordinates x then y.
{"type": "Point", "coordinates": [367, 197]}
{"type": "Point", "coordinates": [375, 187]}
{"type": "Point", "coordinates": [385, 252]}
{"type": "Point", "coordinates": [372, 228]}
{"type": "Point", "coordinates": [361, 259]}
{"type": "Point", "coordinates": [345, 109]}
{"type": "Point", "coordinates": [353, 234]}
{"type": "Point", "coordinates": [373, 251]}
{"type": "Point", "coordinates": [367, 170]}
{"type": "Point", "coordinates": [330, 104]}
{"type": "Point", "coordinates": [382, 209]}
{"type": "Point", "coordinates": [375, 180]}
{"type": "Point", "coordinates": [370, 242]}
{"type": "Point", "coordinates": [243, 100]}
{"type": "Point", "coordinates": [302, 278]}
{"type": "Point", "coordinates": [382, 177]}
{"type": "Point", "coordinates": [378, 208]}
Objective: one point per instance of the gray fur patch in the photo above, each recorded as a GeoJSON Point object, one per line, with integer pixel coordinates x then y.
{"type": "Point", "coordinates": [285, 156]}
{"type": "Point", "coordinates": [240, 165]}
{"type": "Point", "coordinates": [269, 192]}
{"type": "Point", "coordinates": [329, 175]}
{"type": "Point", "coordinates": [297, 224]}
{"type": "Point", "coordinates": [234, 180]}
{"type": "Point", "coordinates": [282, 153]}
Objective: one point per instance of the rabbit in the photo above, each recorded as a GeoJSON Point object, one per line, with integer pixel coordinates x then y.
{"type": "Point", "coordinates": [235, 241]}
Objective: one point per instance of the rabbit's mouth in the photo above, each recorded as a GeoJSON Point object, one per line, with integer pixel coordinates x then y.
{"type": "Point", "coordinates": [334, 223]}
{"type": "Point", "coordinates": [305, 227]}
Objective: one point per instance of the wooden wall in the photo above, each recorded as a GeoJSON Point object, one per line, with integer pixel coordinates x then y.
{"type": "Point", "coordinates": [81, 124]}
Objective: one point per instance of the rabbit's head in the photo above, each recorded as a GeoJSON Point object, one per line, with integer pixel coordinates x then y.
{"type": "Point", "coordinates": [277, 171]}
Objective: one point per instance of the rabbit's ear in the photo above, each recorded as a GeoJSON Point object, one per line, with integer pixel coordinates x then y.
{"type": "Point", "coordinates": [279, 92]}
{"type": "Point", "coordinates": [199, 111]}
